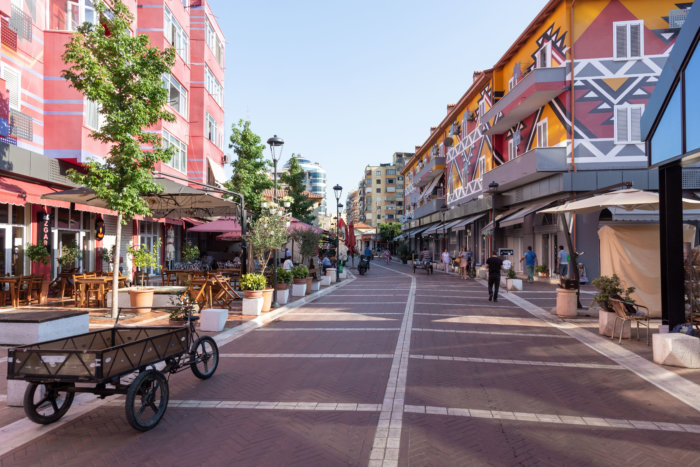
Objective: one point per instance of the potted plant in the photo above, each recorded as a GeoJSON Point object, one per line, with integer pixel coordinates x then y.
{"type": "Point", "coordinates": [404, 253]}
{"type": "Point", "coordinates": [184, 306]}
{"type": "Point", "coordinates": [299, 275]}
{"type": "Point", "coordinates": [608, 286]}
{"type": "Point", "coordinates": [142, 297]}
{"type": "Point", "coordinates": [107, 255]}
{"type": "Point", "coordinates": [39, 254]}
{"type": "Point", "coordinates": [512, 281]}
{"type": "Point", "coordinates": [284, 278]}
{"type": "Point", "coordinates": [542, 270]}
{"type": "Point", "coordinates": [190, 253]}
{"type": "Point", "coordinates": [252, 285]}
{"type": "Point", "coordinates": [70, 255]}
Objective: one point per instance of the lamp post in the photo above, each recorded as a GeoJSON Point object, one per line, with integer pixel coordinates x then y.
{"type": "Point", "coordinates": [493, 186]}
{"type": "Point", "coordinates": [275, 142]}
{"type": "Point", "coordinates": [337, 190]}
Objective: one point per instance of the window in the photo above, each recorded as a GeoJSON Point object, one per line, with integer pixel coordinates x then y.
{"type": "Point", "coordinates": [542, 140]}
{"type": "Point", "coordinates": [511, 83]}
{"type": "Point", "coordinates": [400, 177]}
{"type": "Point", "coordinates": [391, 189]}
{"type": "Point", "coordinates": [176, 35]}
{"type": "Point", "coordinates": [214, 43]}
{"type": "Point", "coordinates": [94, 119]}
{"type": "Point", "coordinates": [389, 216]}
{"type": "Point", "coordinates": [543, 58]}
{"type": "Point", "coordinates": [213, 86]}
{"type": "Point", "coordinates": [399, 203]}
{"type": "Point", "coordinates": [628, 40]}
{"type": "Point", "coordinates": [391, 171]}
{"type": "Point", "coordinates": [177, 95]}
{"type": "Point", "coordinates": [213, 133]}
{"type": "Point", "coordinates": [512, 149]}
{"type": "Point", "coordinates": [379, 190]}
{"type": "Point", "coordinates": [390, 180]}
{"type": "Point", "coordinates": [80, 12]}
{"type": "Point", "coordinates": [378, 173]}
{"type": "Point", "coordinates": [481, 167]}
{"type": "Point", "coordinates": [379, 181]}
{"type": "Point", "coordinates": [368, 190]}
{"type": "Point", "coordinates": [13, 84]}
{"type": "Point", "coordinates": [627, 119]}
{"type": "Point", "coordinates": [482, 108]}
{"type": "Point", "coordinates": [179, 159]}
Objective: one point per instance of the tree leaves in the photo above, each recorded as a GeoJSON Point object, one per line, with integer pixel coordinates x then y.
{"type": "Point", "coordinates": [301, 206]}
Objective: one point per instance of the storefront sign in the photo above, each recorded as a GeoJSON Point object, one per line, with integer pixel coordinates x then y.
{"type": "Point", "coordinates": [44, 223]}
{"type": "Point", "coordinates": [99, 229]}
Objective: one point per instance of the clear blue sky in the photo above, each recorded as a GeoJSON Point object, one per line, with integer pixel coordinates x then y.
{"type": "Point", "coordinates": [347, 84]}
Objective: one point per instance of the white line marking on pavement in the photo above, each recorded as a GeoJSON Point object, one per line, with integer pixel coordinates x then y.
{"type": "Point", "coordinates": [494, 333]}
{"type": "Point", "coordinates": [3, 359]}
{"type": "Point", "coordinates": [268, 405]}
{"type": "Point", "coordinates": [465, 305]}
{"type": "Point", "coordinates": [325, 329]}
{"type": "Point", "coordinates": [340, 313]}
{"type": "Point", "coordinates": [305, 355]}
{"type": "Point", "coordinates": [598, 366]}
{"type": "Point", "coordinates": [675, 385]}
{"type": "Point", "coordinates": [360, 303]}
{"type": "Point", "coordinates": [387, 437]}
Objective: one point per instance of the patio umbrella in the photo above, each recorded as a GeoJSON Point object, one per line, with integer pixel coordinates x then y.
{"type": "Point", "coordinates": [296, 224]}
{"type": "Point", "coordinates": [629, 199]}
{"type": "Point", "coordinates": [350, 238]}
{"type": "Point", "coordinates": [228, 225]}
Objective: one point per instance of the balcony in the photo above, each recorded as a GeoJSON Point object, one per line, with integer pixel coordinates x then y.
{"type": "Point", "coordinates": [537, 88]}
{"type": "Point", "coordinates": [535, 164]}
{"type": "Point", "coordinates": [430, 206]}
{"type": "Point", "coordinates": [429, 171]}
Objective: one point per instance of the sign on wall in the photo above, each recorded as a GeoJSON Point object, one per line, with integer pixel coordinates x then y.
{"type": "Point", "coordinates": [44, 223]}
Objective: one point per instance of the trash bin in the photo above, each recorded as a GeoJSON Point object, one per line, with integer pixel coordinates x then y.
{"type": "Point", "coordinates": [566, 303]}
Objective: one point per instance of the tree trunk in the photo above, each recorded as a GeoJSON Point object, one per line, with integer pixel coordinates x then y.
{"type": "Point", "coordinates": [115, 267]}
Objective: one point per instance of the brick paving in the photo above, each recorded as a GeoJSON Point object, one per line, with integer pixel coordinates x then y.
{"type": "Point", "coordinates": [393, 368]}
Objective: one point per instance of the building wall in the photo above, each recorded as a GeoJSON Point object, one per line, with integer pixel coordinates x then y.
{"type": "Point", "coordinates": [384, 202]}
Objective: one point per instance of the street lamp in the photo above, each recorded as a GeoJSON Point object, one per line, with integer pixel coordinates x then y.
{"type": "Point", "coordinates": [275, 142]}
{"type": "Point", "coordinates": [338, 190]}
{"type": "Point", "coordinates": [493, 186]}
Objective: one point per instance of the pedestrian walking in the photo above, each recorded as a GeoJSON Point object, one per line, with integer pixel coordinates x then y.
{"type": "Point", "coordinates": [530, 259]}
{"type": "Point", "coordinates": [387, 256]}
{"type": "Point", "coordinates": [495, 263]}
{"type": "Point", "coordinates": [445, 259]}
{"type": "Point", "coordinates": [463, 263]}
{"type": "Point", "coordinates": [563, 259]}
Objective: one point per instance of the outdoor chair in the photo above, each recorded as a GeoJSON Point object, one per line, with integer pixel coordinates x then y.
{"type": "Point", "coordinates": [141, 278]}
{"type": "Point", "coordinates": [629, 311]}
{"type": "Point", "coordinates": [200, 291]}
{"type": "Point", "coordinates": [24, 290]}
{"type": "Point", "coordinates": [222, 294]}
{"type": "Point", "coordinates": [35, 294]}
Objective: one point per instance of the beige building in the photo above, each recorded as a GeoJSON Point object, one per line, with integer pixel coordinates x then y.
{"type": "Point", "coordinates": [380, 192]}
{"type": "Point", "coordinates": [352, 206]}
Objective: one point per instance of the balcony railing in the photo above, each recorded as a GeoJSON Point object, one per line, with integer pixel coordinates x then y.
{"type": "Point", "coordinates": [429, 206]}
{"type": "Point", "coordinates": [429, 171]}
{"type": "Point", "coordinates": [533, 165]}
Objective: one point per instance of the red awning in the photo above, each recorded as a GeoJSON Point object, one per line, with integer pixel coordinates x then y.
{"type": "Point", "coordinates": [192, 221]}
{"type": "Point", "coordinates": [20, 192]}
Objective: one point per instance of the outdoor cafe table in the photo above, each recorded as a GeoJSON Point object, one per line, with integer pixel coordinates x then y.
{"type": "Point", "coordinates": [85, 284]}
{"type": "Point", "coordinates": [12, 281]}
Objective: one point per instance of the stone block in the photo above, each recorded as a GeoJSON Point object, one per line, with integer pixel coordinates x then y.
{"type": "Point", "coordinates": [315, 286]}
{"type": "Point", "coordinates": [566, 303]}
{"type": "Point", "coordinates": [330, 272]}
{"type": "Point", "coordinates": [283, 296]}
{"type": "Point", "coordinates": [325, 281]}
{"type": "Point", "coordinates": [298, 290]}
{"type": "Point", "coordinates": [213, 319]}
{"type": "Point", "coordinates": [252, 306]}
{"type": "Point", "coordinates": [606, 320]}
{"type": "Point", "coordinates": [675, 349]}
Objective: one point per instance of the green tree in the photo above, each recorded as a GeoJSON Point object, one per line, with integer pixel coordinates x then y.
{"type": "Point", "coordinates": [123, 74]}
{"type": "Point", "coordinates": [301, 205]}
{"type": "Point", "coordinates": [389, 231]}
{"type": "Point", "coordinates": [268, 232]}
{"type": "Point", "coordinates": [250, 167]}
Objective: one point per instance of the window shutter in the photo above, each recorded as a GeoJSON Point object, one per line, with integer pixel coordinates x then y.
{"type": "Point", "coordinates": [635, 40]}
{"type": "Point", "coordinates": [635, 118]}
{"type": "Point", "coordinates": [12, 84]}
{"type": "Point", "coordinates": [91, 114]}
{"type": "Point", "coordinates": [621, 130]}
{"type": "Point", "coordinates": [621, 41]}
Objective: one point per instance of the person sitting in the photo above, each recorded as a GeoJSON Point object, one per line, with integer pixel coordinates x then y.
{"type": "Point", "coordinates": [426, 257]}
{"type": "Point", "coordinates": [288, 264]}
{"type": "Point", "coordinates": [236, 262]}
{"type": "Point", "coordinates": [325, 263]}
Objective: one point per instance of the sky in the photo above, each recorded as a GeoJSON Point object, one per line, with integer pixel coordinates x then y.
{"type": "Point", "coordinates": [347, 84]}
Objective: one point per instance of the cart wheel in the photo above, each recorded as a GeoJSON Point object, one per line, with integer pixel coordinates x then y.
{"type": "Point", "coordinates": [146, 400]}
{"type": "Point", "coordinates": [204, 358]}
{"type": "Point", "coordinates": [361, 270]}
{"type": "Point", "coordinates": [49, 403]}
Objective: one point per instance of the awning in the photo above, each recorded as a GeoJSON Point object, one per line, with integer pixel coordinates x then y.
{"type": "Point", "coordinates": [225, 225]}
{"type": "Point", "coordinates": [417, 231]}
{"type": "Point", "coordinates": [218, 172]}
{"type": "Point", "coordinates": [518, 217]}
{"type": "Point", "coordinates": [629, 199]}
{"type": "Point", "coordinates": [648, 217]}
{"type": "Point", "coordinates": [461, 225]}
{"type": "Point", "coordinates": [192, 221]}
{"type": "Point", "coordinates": [432, 229]}
{"type": "Point", "coordinates": [20, 192]}
{"type": "Point", "coordinates": [487, 227]}
{"type": "Point", "coordinates": [430, 187]}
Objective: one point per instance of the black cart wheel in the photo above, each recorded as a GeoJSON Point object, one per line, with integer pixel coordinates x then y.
{"type": "Point", "coordinates": [204, 358]}
{"type": "Point", "coordinates": [361, 269]}
{"type": "Point", "coordinates": [45, 404]}
{"type": "Point", "coordinates": [146, 400]}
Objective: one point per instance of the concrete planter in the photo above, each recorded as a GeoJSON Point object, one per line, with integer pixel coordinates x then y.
{"type": "Point", "coordinates": [283, 295]}
{"type": "Point", "coordinates": [331, 272]}
{"type": "Point", "coordinates": [213, 319]}
{"type": "Point", "coordinates": [141, 297]}
{"type": "Point", "coordinates": [315, 286]}
{"type": "Point", "coordinates": [252, 306]}
{"type": "Point", "coordinates": [514, 284]}
{"type": "Point", "coordinates": [299, 290]}
{"type": "Point", "coordinates": [676, 349]}
{"type": "Point", "coordinates": [606, 321]}
{"type": "Point", "coordinates": [325, 281]}
{"type": "Point", "coordinates": [343, 275]}
{"type": "Point", "coordinates": [566, 303]}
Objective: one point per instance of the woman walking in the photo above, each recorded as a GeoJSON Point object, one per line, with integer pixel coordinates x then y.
{"type": "Point", "coordinates": [463, 263]}
{"type": "Point", "coordinates": [446, 259]}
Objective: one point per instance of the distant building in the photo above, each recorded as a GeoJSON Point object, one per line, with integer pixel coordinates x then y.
{"type": "Point", "coordinates": [352, 206]}
{"type": "Point", "coordinates": [315, 180]}
{"type": "Point", "coordinates": [381, 191]}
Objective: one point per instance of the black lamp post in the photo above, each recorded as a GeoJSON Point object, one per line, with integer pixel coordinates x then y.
{"type": "Point", "coordinates": [338, 190]}
{"type": "Point", "coordinates": [493, 186]}
{"type": "Point", "coordinates": [275, 142]}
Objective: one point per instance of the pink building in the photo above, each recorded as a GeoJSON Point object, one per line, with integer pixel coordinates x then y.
{"type": "Point", "coordinates": [45, 124]}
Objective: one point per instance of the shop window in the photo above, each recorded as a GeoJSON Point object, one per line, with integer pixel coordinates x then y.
{"type": "Point", "coordinates": [628, 39]}
{"type": "Point", "coordinates": [692, 97]}
{"type": "Point", "coordinates": [62, 218]}
{"type": "Point", "coordinates": [86, 221]}
{"type": "Point", "coordinates": [4, 215]}
{"type": "Point", "coordinates": [18, 215]}
{"type": "Point", "coordinates": [75, 220]}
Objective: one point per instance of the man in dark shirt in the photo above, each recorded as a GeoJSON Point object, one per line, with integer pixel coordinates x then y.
{"type": "Point", "coordinates": [494, 263]}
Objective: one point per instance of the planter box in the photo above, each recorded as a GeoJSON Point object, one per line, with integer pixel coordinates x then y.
{"type": "Point", "coordinates": [344, 274]}
{"type": "Point", "coordinates": [514, 284]}
{"type": "Point", "coordinates": [676, 349]}
{"type": "Point", "coordinates": [299, 290]}
{"type": "Point", "coordinates": [283, 296]}
{"type": "Point", "coordinates": [141, 297]}
{"type": "Point", "coordinates": [325, 281]}
{"type": "Point", "coordinates": [566, 303]}
{"type": "Point", "coordinates": [213, 319]}
{"type": "Point", "coordinates": [606, 320]}
{"type": "Point", "coordinates": [309, 281]}
{"type": "Point", "coordinates": [331, 272]}
{"type": "Point", "coordinates": [267, 300]}
{"type": "Point", "coordinates": [315, 286]}
{"type": "Point", "coordinates": [252, 306]}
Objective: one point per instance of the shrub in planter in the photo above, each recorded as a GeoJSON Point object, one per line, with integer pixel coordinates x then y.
{"type": "Point", "coordinates": [145, 258]}
{"type": "Point", "coordinates": [184, 305]}
{"type": "Point", "coordinates": [37, 254]}
{"type": "Point", "coordinates": [542, 270]}
{"type": "Point", "coordinates": [190, 252]}
{"type": "Point", "coordinates": [300, 273]}
{"type": "Point", "coordinates": [284, 278]}
{"type": "Point", "coordinates": [252, 284]}
{"type": "Point", "coordinates": [71, 254]}
{"type": "Point", "coordinates": [608, 286]}
{"type": "Point", "coordinates": [511, 273]}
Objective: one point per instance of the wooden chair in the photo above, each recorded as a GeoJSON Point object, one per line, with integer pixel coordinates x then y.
{"type": "Point", "coordinates": [35, 294]}
{"type": "Point", "coordinates": [629, 311]}
{"type": "Point", "coordinates": [24, 290]}
{"type": "Point", "coordinates": [223, 294]}
{"type": "Point", "coordinates": [200, 291]}
{"type": "Point", "coordinates": [168, 277]}
{"type": "Point", "coordinates": [139, 277]}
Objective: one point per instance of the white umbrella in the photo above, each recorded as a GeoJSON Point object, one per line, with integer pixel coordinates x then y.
{"type": "Point", "coordinates": [629, 199]}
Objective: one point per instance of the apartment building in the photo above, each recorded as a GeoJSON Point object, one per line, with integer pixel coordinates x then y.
{"type": "Point", "coordinates": [352, 206]}
{"type": "Point", "coordinates": [45, 124]}
{"type": "Point", "coordinates": [558, 114]}
{"type": "Point", "coordinates": [381, 191]}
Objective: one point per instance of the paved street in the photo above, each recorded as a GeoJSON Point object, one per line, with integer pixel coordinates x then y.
{"type": "Point", "coordinates": [396, 368]}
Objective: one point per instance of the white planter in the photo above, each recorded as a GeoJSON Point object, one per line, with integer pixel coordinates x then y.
{"type": "Point", "coordinates": [514, 284]}
{"type": "Point", "coordinates": [252, 306]}
{"type": "Point", "coordinates": [503, 281]}
{"type": "Point", "coordinates": [606, 320]}
{"type": "Point", "coordinates": [325, 281]}
{"type": "Point", "coordinates": [676, 349]}
{"type": "Point", "coordinates": [343, 275]}
{"type": "Point", "coordinates": [298, 290]}
{"type": "Point", "coordinates": [283, 296]}
{"type": "Point", "coordinates": [213, 319]}
{"type": "Point", "coordinates": [330, 272]}
{"type": "Point", "coordinates": [482, 273]}
{"type": "Point", "coordinates": [315, 286]}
